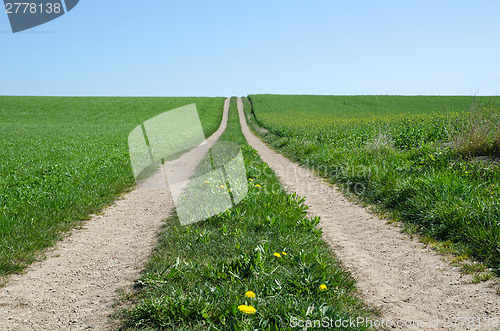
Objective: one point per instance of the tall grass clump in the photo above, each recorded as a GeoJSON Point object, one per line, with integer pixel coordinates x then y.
{"type": "Point", "coordinates": [480, 135]}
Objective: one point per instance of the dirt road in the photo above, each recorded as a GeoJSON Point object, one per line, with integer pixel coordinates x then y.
{"type": "Point", "coordinates": [398, 275]}
{"type": "Point", "coordinates": [75, 287]}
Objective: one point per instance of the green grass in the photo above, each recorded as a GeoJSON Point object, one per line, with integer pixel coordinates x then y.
{"type": "Point", "coordinates": [65, 158]}
{"type": "Point", "coordinates": [481, 135]}
{"type": "Point", "coordinates": [199, 274]}
{"type": "Point", "coordinates": [399, 153]}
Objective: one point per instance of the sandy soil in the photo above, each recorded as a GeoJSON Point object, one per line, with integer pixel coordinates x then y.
{"type": "Point", "coordinates": [75, 287]}
{"type": "Point", "coordinates": [406, 281]}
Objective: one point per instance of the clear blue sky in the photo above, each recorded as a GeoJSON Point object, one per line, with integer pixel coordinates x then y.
{"type": "Point", "coordinates": [224, 48]}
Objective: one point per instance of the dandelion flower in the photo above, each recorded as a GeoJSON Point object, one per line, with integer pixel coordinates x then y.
{"type": "Point", "coordinates": [206, 182]}
{"type": "Point", "coordinates": [277, 254]}
{"type": "Point", "coordinates": [258, 186]}
{"type": "Point", "coordinates": [283, 253]}
{"type": "Point", "coordinates": [250, 179]}
{"type": "Point", "coordinates": [323, 287]}
{"type": "Point", "coordinates": [247, 309]}
{"type": "Point", "coordinates": [250, 294]}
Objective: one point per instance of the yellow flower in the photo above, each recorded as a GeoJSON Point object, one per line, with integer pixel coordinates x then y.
{"type": "Point", "coordinates": [250, 179]}
{"type": "Point", "coordinates": [258, 186]}
{"type": "Point", "coordinates": [247, 309]}
{"type": "Point", "coordinates": [323, 287]}
{"type": "Point", "coordinates": [277, 254]}
{"type": "Point", "coordinates": [250, 294]}
{"type": "Point", "coordinates": [283, 253]}
{"type": "Point", "coordinates": [207, 181]}
{"type": "Point", "coordinates": [222, 186]}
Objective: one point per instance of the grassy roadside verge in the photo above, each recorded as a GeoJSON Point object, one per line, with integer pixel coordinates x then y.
{"type": "Point", "coordinates": [400, 162]}
{"type": "Point", "coordinates": [65, 158]}
{"type": "Point", "coordinates": [200, 275]}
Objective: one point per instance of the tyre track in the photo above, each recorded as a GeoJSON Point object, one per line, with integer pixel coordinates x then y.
{"type": "Point", "coordinates": [75, 287]}
{"type": "Point", "coordinates": [399, 276]}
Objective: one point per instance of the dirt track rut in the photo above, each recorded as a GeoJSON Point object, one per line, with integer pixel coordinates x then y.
{"type": "Point", "coordinates": [408, 282]}
{"type": "Point", "coordinates": [75, 287]}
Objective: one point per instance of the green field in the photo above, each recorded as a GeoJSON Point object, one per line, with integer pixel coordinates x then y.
{"type": "Point", "coordinates": [429, 161]}
{"type": "Point", "coordinates": [64, 158]}
{"type": "Point", "coordinates": [199, 274]}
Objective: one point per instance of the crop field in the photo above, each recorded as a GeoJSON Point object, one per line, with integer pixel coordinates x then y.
{"type": "Point", "coordinates": [430, 161]}
{"type": "Point", "coordinates": [65, 158]}
{"type": "Point", "coordinates": [254, 267]}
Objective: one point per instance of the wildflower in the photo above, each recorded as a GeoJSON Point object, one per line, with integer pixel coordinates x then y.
{"type": "Point", "coordinates": [222, 186]}
{"type": "Point", "coordinates": [277, 254]}
{"type": "Point", "coordinates": [323, 287]}
{"type": "Point", "coordinates": [250, 294]}
{"type": "Point", "coordinates": [250, 179]}
{"type": "Point", "coordinates": [247, 309]}
{"type": "Point", "coordinates": [258, 186]}
{"type": "Point", "coordinates": [206, 182]}
{"type": "Point", "coordinates": [283, 253]}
